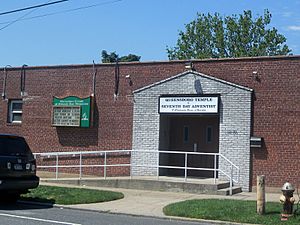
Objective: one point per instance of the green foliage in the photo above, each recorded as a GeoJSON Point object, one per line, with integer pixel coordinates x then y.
{"type": "Point", "coordinates": [113, 57]}
{"type": "Point", "coordinates": [108, 58]}
{"type": "Point", "coordinates": [70, 196]}
{"type": "Point", "coordinates": [129, 58]}
{"type": "Point", "coordinates": [212, 36]}
{"type": "Point", "coordinates": [229, 210]}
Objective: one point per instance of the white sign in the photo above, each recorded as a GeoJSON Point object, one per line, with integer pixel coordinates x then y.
{"type": "Point", "coordinates": [186, 104]}
{"type": "Point", "coordinates": [66, 116]}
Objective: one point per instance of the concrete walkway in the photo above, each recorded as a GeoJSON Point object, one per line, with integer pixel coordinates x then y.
{"type": "Point", "coordinates": [151, 203]}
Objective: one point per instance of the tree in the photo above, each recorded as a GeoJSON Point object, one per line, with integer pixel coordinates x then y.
{"type": "Point", "coordinates": [212, 36]}
{"type": "Point", "coordinates": [113, 57]}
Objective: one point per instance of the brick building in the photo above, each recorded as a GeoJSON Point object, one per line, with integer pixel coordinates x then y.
{"type": "Point", "coordinates": [212, 106]}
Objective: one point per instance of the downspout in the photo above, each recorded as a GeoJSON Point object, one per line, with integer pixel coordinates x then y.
{"type": "Point", "coordinates": [117, 80]}
{"type": "Point", "coordinates": [93, 97]}
{"type": "Point", "coordinates": [23, 76]}
{"type": "Point", "coordinates": [94, 79]}
{"type": "Point", "coordinates": [4, 82]}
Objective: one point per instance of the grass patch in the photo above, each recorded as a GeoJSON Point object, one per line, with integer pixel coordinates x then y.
{"type": "Point", "coordinates": [229, 210]}
{"type": "Point", "coordinates": [69, 196]}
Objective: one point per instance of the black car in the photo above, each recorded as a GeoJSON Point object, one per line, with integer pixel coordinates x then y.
{"type": "Point", "coordinates": [17, 167]}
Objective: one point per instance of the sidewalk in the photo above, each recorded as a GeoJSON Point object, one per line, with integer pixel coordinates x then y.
{"type": "Point", "coordinates": [151, 203]}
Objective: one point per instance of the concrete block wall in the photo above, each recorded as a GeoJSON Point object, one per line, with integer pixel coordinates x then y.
{"type": "Point", "coordinates": [235, 120]}
{"type": "Point", "coordinates": [235, 132]}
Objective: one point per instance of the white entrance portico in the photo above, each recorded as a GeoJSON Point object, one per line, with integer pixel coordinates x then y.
{"type": "Point", "coordinates": [192, 112]}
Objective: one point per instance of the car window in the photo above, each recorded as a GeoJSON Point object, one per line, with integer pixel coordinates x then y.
{"type": "Point", "coordinates": [10, 145]}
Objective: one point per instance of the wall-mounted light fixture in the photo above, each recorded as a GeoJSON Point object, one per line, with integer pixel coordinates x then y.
{"type": "Point", "coordinates": [189, 66]}
{"type": "Point", "coordinates": [128, 78]}
{"type": "Point", "coordinates": [255, 76]}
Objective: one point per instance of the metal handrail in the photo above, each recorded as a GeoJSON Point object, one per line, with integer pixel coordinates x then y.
{"type": "Point", "coordinates": [82, 152]}
{"type": "Point", "coordinates": [157, 166]}
{"type": "Point", "coordinates": [228, 161]}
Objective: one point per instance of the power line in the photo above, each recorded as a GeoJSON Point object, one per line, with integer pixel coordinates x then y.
{"type": "Point", "coordinates": [26, 14]}
{"type": "Point", "coordinates": [21, 17]}
{"type": "Point", "coordinates": [32, 7]}
{"type": "Point", "coordinates": [64, 11]}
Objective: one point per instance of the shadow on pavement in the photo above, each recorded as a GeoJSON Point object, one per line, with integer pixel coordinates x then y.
{"type": "Point", "coordinates": [26, 204]}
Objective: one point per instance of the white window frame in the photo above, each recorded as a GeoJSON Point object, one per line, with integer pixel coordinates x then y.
{"type": "Point", "coordinates": [12, 112]}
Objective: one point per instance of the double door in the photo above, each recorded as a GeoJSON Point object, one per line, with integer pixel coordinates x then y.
{"type": "Point", "coordinates": [194, 134]}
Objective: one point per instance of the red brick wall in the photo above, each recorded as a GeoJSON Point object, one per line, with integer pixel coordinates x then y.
{"type": "Point", "coordinates": [275, 117]}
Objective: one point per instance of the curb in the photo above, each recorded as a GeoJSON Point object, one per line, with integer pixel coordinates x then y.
{"type": "Point", "coordinates": [35, 203]}
{"type": "Point", "coordinates": [212, 222]}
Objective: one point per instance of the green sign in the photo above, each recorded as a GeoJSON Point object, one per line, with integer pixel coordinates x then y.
{"type": "Point", "coordinates": [65, 113]}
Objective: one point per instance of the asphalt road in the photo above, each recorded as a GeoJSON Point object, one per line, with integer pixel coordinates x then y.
{"type": "Point", "coordinates": [25, 214]}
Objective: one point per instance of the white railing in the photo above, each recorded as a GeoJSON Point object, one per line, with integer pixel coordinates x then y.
{"type": "Point", "coordinates": [233, 174]}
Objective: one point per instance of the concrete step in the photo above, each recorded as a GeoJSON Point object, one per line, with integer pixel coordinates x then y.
{"type": "Point", "coordinates": [226, 191]}
{"type": "Point", "coordinates": [203, 186]}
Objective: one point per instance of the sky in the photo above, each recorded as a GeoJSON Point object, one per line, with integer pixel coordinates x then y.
{"type": "Point", "coordinates": [60, 35]}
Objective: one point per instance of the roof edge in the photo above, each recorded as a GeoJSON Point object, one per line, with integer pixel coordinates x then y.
{"type": "Point", "coordinates": [285, 57]}
{"type": "Point", "coordinates": [195, 73]}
